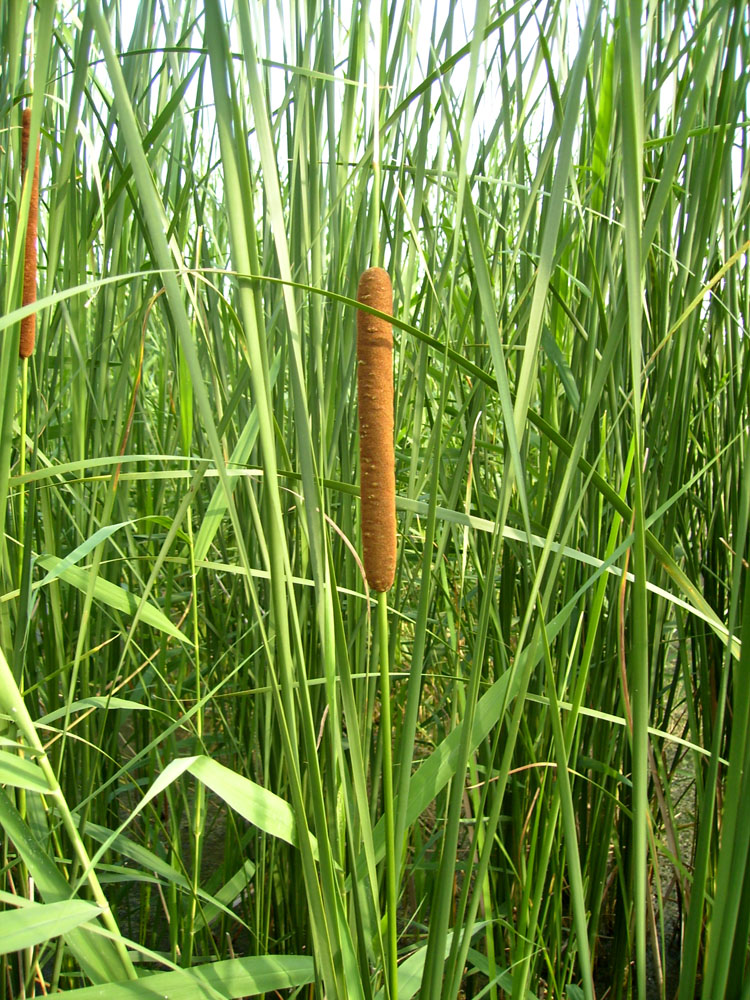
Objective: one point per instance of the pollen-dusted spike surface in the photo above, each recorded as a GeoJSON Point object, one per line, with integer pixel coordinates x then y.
{"type": "Point", "coordinates": [377, 462]}
{"type": "Point", "coordinates": [28, 323]}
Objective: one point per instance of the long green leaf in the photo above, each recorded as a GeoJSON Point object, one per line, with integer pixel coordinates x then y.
{"type": "Point", "coordinates": [108, 594]}
{"type": "Point", "coordinates": [232, 979]}
{"type": "Point", "coordinates": [36, 923]}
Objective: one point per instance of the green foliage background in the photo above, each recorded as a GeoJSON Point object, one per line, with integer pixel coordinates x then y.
{"type": "Point", "coordinates": [191, 748]}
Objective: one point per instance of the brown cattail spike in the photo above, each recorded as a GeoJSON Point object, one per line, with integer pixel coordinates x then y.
{"type": "Point", "coordinates": [377, 463]}
{"type": "Point", "coordinates": [28, 323]}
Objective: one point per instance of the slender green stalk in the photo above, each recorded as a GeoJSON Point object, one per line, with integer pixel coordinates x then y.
{"type": "Point", "coordinates": [386, 738]}
{"type": "Point", "coordinates": [198, 820]}
{"type": "Point", "coordinates": [638, 658]}
{"type": "Point", "coordinates": [22, 456]}
{"type": "Point", "coordinates": [375, 84]}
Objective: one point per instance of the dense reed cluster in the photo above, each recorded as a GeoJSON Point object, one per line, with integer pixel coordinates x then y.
{"type": "Point", "coordinates": [508, 757]}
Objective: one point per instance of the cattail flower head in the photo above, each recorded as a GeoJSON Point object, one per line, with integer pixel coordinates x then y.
{"type": "Point", "coordinates": [28, 323]}
{"type": "Point", "coordinates": [377, 462]}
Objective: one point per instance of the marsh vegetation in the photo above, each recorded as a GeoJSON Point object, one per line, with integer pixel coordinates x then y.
{"type": "Point", "coordinates": [192, 735]}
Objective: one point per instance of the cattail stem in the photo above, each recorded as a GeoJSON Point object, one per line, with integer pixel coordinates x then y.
{"type": "Point", "coordinates": [391, 896]}
{"type": "Point", "coordinates": [22, 462]}
{"type": "Point", "coordinates": [376, 186]}
{"type": "Point", "coordinates": [28, 323]}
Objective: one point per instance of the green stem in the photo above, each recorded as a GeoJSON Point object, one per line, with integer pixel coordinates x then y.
{"type": "Point", "coordinates": [376, 150]}
{"type": "Point", "coordinates": [22, 461]}
{"type": "Point", "coordinates": [200, 791]}
{"type": "Point", "coordinates": [390, 840]}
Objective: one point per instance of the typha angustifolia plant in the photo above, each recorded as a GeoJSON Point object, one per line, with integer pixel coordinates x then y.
{"type": "Point", "coordinates": [27, 335]}
{"type": "Point", "coordinates": [378, 500]}
{"type": "Point", "coordinates": [28, 323]}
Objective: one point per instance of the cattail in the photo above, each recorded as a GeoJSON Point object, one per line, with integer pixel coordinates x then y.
{"type": "Point", "coordinates": [377, 463]}
{"type": "Point", "coordinates": [28, 323]}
